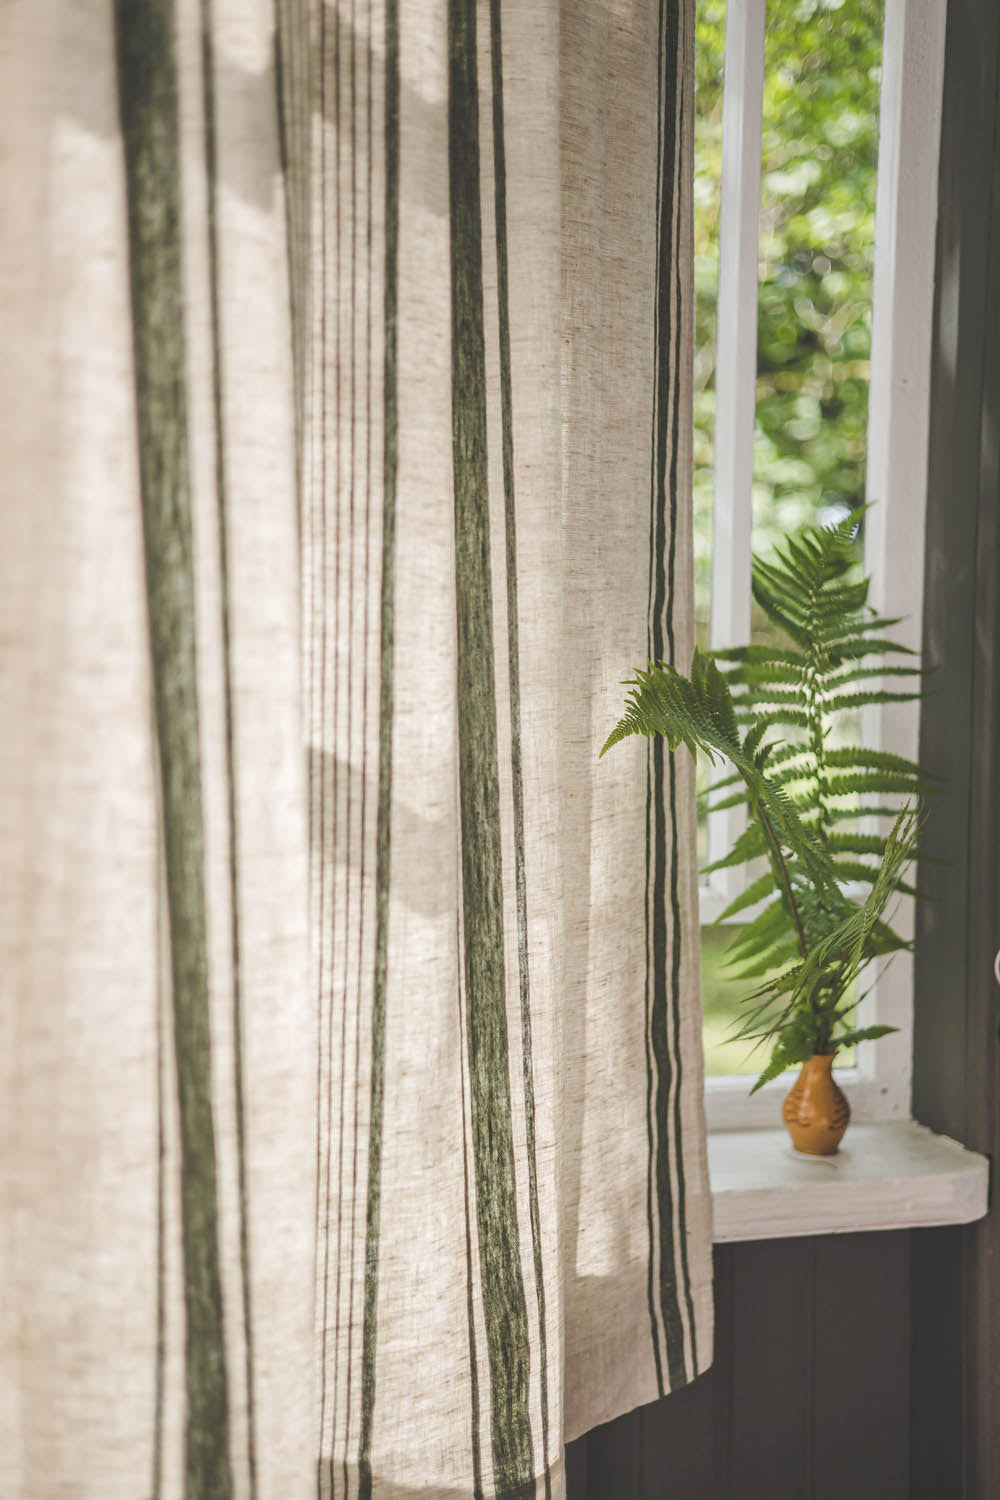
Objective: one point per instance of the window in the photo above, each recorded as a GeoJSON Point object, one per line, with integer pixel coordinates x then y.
{"type": "Point", "coordinates": [801, 84]}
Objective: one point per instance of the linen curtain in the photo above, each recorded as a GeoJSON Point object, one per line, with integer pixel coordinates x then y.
{"type": "Point", "coordinates": [351, 1136]}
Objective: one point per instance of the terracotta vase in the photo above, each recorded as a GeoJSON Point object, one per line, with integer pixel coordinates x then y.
{"type": "Point", "coordinates": [815, 1112]}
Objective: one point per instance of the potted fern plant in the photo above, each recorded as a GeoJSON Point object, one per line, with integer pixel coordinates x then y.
{"type": "Point", "coordinates": [820, 903]}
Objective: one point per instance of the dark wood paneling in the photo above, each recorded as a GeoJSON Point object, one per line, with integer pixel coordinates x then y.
{"type": "Point", "coordinates": [937, 1278]}
{"type": "Point", "coordinates": [684, 1449]}
{"type": "Point", "coordinates": [613, 1459]}
{"type": "Point", "coordinates": [807, 1398]}
{"type": "Point", "coordinates": [678, 1446]}
{"type": "Point", "coordinates": [951, 722]}
{"type": "Point", "coordinates": [577, 1478]}
{"type": "Point", "coordinates": [861, 1393]}
{"type": "Point", "coordinates": [770, 1419]}
{"type": "Point", "coordinates": [956, 1273]}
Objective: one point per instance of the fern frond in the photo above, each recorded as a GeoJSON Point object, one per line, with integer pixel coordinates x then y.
{"type": "Point", "coordinates": [856, 871]}
{"type": "Point", "coordinates": [836, 959]}
{"type": "Point", "coordinates": [881, 622]}
{"type": "Point", "coordinates": [781, 752]}
{"type": "Point", "coordinates": [695, 711]}
{"type": "Point", "coordinates": [796, 718]}
{"type": "Point", "coordinates": [876, 760]}
{"type": "Point", "coordinates": [837, 703]}
{"type": "Point", "coordinates": [856, 648]}
{"type": "Point", "coordinates": [757, 890]}
{"type": "Point", "coordinates": [857, 843]}
{"type": "Point", "coordinates": [767, 925]}
{"type": "Point", "coordinates": [853, 813]}
{"type": "Point", "coordinates": [737, 798]}
{"type": "Point", "coordinates": [842, 678]}
{"type": "Point", "coordinates": [766, 698]}
{"type": "Point", "coordinates": [791, 750]}
{"type": "Point", "coordinates": [766, 674]}
{"type": "Point", "coordinates": [853, 1036]}
{"type": "Point", "coordinates": [770, 712]}
{"type": "Point", "coordinates": [775, 957]}
{"type": "Point", "coordinates": [862, 781]}
{"type": "Point", "coordinates": [752, 748]}
{"type": "Point", "coordinates": [757, 655]}
{"type": "Point", "coordinates": [751, 844]}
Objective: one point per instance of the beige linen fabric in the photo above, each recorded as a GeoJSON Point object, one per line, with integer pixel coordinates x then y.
{"type": "Point", "coordinates": [351, 1138]}
{"type": "Point", "coordinates": [155, 1333]}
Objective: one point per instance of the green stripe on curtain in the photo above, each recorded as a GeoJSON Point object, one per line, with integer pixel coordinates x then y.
{"type": "Point", "coordinates": [478, 882]}
{"type": "Point", "coordinates": [317, 793]}
{"type": "Point", "coordinates": [292, 62]}
{"type": "Point", "coordinates": [149, 119]}
{"type": "Point", "coordinates": [389, 471]}
{"type": "Point", "coordinates": [682, 15]}
{"type": "Point", "coordinates": [504, 1303]}
{"type": "Point", "coordinates": [663, 981]}
{"type": "Point", "coordinates": [514, 669]}
{"type": "Point", "coordinates": [160, 1375]}
{"type": "Point", "coordinates": [232, 791]}
{"type": "Point", "coordinates": [470, 1270]}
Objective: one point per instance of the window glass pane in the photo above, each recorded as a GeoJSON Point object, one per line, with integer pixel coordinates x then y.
{"type": "Point", "coordinates": [718, 1003]}
{"type": "Point", "coordinates": [710, 48]}
{"type": "Point", "coordinates": [817, 240]}
{"type": "Point", "coordinates": [822, 71]}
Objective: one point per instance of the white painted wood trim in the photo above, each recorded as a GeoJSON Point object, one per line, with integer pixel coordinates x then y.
{"type": "Point", "coordinates": [898, 434]}
{"type": "Point", "coordinates": [736, 333]}
{"type": "Point", "coordinates": [887, 1176]}
{"type": "Point", "coordinates": [729, 1105]}
{"type": "Point", "coordinates": [736, 364]}
{"type": "Point", "coordinates": [898, 427]}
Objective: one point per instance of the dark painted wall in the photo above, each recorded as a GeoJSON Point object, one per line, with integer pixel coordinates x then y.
{"type": "Point", "coordinates": [955, 1369]}
{"type": "Point", "coordinates": [867, 1367]}
{"type": "Point", "coordinates": [808, 1398]}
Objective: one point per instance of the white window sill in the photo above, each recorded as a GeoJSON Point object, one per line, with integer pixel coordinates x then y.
{"type": "Point", "coordinates": [897, 1175]}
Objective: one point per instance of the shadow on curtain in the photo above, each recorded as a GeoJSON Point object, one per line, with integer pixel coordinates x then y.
{"type": "Point", "coordinates": [352, 1134]}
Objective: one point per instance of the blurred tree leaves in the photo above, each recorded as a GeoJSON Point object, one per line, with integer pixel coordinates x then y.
{"type": "Point", "coordinates": [817, 240]}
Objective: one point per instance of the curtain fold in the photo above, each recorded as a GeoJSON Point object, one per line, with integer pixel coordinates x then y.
{"type": "Point", "coordinates": [158, 1041]}
{"type": "Point", "coordinates": [351, 1136]}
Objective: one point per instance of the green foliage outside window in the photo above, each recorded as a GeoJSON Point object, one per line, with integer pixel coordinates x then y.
{"type": "Point", "coordinates": [817, 242]}
{"type": "Point", "coordinates": [769, 713]}
{"type": "Point", "coordinates": [817, 228]}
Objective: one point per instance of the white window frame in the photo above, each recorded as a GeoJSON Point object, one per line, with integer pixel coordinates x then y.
{"type": "Point", "coordinates": [879, 1087]}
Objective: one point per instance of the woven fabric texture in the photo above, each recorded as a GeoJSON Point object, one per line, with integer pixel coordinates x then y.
{"type": "Point", "coordinates": [351, 1133]}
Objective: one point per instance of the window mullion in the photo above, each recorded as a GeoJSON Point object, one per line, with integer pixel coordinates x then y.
{"type": "Point", "coordinates": [736, 362]}
{"type": "Point", "coordinates": [898, 418]}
